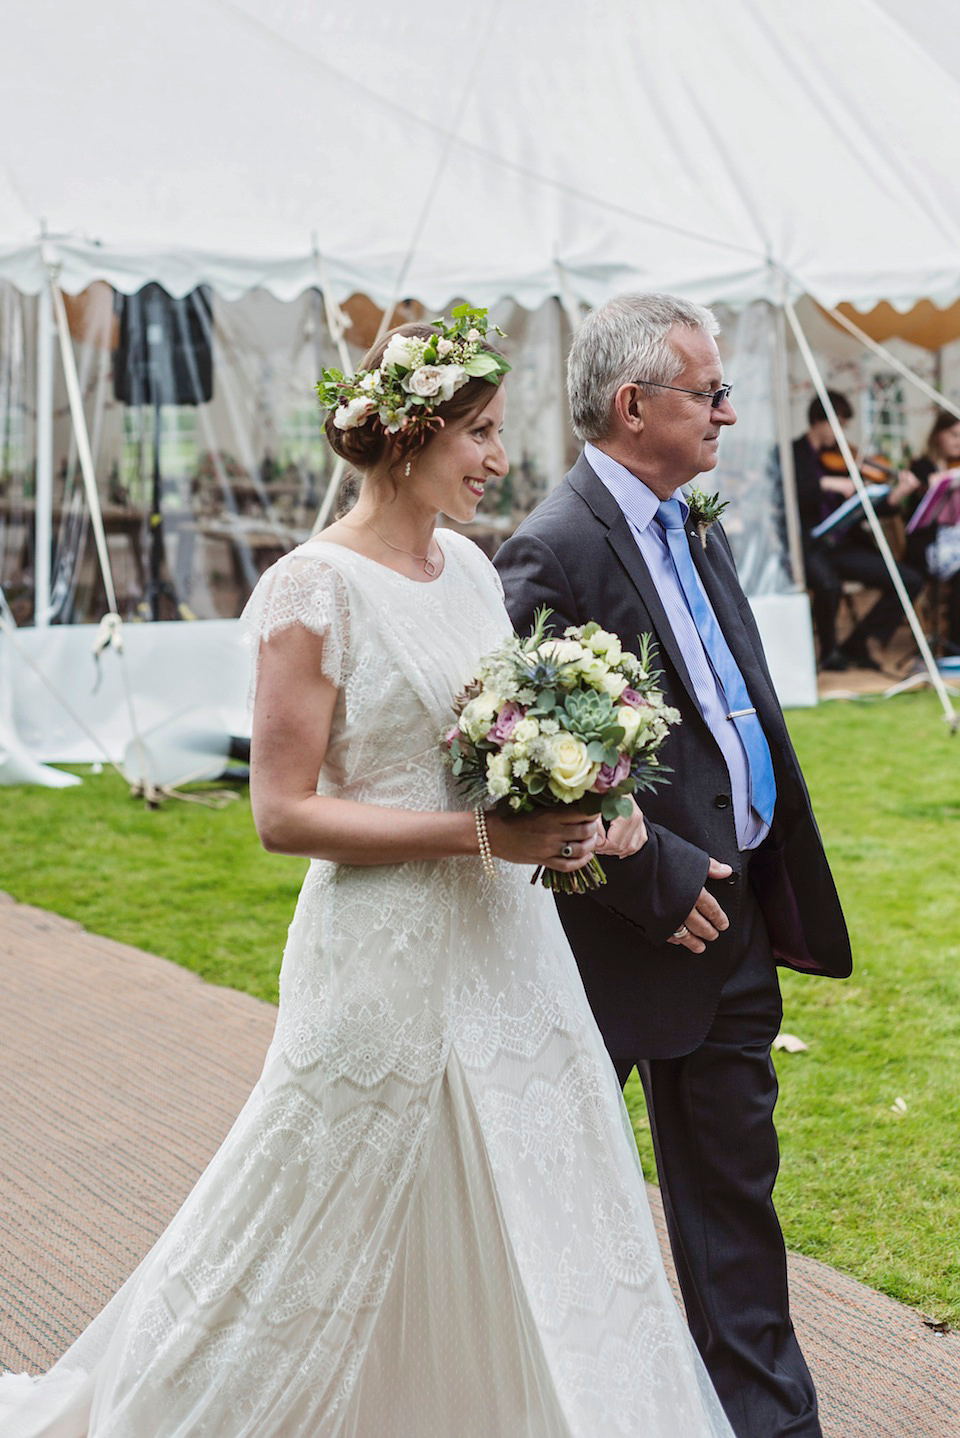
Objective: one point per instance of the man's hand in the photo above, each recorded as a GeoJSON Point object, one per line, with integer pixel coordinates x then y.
{"type": "Point", "coordinates": [706, 919]}
{"type": "Point", "coordinates": [624, 836]}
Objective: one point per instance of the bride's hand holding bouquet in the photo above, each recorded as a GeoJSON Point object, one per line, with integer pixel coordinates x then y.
{"type": "Point", "coordinates": [570, 727]}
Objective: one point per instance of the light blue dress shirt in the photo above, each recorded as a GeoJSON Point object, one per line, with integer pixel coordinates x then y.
{"type": "Point", "coordinates": [639, 506]}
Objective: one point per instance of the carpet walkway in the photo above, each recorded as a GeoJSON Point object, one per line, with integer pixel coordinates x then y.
{"type": "Point", "coordinates": [120, 1074]}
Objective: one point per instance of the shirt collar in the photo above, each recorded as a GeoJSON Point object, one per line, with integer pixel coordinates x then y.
{"type": "Point", "coordinates": [637, 502]}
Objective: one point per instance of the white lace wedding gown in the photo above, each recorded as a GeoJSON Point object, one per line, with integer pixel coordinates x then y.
{"type": "Point", "coordinates": [428, 1221]}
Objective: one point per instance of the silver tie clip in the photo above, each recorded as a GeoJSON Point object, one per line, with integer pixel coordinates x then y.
{"type": "Point", "coordinates": [740, 713]}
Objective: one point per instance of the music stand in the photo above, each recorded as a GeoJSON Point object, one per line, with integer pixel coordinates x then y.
{"type": "Point", "coordinates": [939, 506]}
{"type": "Point", "coordinates": [849, 513]}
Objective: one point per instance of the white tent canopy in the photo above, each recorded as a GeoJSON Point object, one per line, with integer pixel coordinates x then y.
{"type": "Point", "coordinates": [757, 150]}
{"type": "Point", "coordinates": [507, 150]}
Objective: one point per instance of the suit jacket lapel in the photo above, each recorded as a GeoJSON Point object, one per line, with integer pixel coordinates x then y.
{"type": "Point", "coordinates": [621, 541]}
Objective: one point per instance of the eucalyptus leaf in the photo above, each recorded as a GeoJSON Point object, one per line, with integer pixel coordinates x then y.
{"type": "Point", "coordinates": [480, 365]}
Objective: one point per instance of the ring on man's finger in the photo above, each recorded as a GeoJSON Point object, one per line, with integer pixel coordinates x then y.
{"type": "Point", "coordinates": [567, 851]}
{"type": "Point", "coordinates": [680, 933]}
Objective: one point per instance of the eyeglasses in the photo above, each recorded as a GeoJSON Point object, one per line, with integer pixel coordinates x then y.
{"type": "Point", "coordinates": [717, 397]}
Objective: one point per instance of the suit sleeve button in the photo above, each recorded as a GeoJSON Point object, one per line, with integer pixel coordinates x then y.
{"type": "Point", "coordinates": [722, 801]}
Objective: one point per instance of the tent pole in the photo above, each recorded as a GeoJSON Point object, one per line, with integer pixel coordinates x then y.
{"type": "Point", "coordinates": [781, 401]}
{"type": "Point", "coordinates": [936, 679]}
{"type": "Point", "coordinates": [566, 297]}
{"type": "Point", "coordinates": [110, 631]}
{"type": "Point", "coordinates": [43, 488]}
{"type": "Point", "coordinates": [938, 399]}
{"type": "Point", "coordinates": [83, 442]}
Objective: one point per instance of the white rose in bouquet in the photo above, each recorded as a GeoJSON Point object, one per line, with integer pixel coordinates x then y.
{"type": "Point", "coordinates": [479, 715]}
{"type": "Point", "coordinates": [525, 731]}
{"type": "Point", "coordinates": [594, 670]}
{"type": "Point", "coordinates": [559, 651]}
{"type": "Point", "coordinates": [631, 721]}
{"type": "Point", "coordinates": [614, 684]}
{"type": "Point", "coordinates": [498, 775]}
{"type": "Point", "coordinates": [571, 772]}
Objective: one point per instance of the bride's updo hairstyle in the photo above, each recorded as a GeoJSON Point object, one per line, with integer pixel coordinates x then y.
{"type": "Point", "coordinates": [366, 446]}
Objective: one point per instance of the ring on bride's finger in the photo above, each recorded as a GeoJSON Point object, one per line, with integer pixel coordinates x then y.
{"type": "Point", "coordinates": [680, 933]}
{"type": "Point", "coordinates": [567, 851]}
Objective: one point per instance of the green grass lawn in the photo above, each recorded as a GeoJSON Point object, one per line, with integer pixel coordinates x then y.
{"type": "Point", "coordinates": [867, 1184]}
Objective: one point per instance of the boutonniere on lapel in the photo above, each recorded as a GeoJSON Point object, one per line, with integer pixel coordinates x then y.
{"type": "Point", "coordinates": [705, 509]}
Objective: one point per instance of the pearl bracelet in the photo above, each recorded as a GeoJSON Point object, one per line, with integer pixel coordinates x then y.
{"type": "Point", "coordinates": [483, 842]}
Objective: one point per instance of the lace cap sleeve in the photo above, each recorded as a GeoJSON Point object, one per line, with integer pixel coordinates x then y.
{"type": "Point", "coordinates": [299, 589]}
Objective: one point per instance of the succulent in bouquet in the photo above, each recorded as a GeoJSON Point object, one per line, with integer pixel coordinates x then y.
{"type": "Point", "coordinates": [573, 720]}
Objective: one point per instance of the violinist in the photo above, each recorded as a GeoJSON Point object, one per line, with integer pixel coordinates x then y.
{"type": "Point", "coordinates": [851, 554]}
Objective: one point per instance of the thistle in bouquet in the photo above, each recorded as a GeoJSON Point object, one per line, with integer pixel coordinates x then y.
{"type": "Point", "coordinates": [574, 720]}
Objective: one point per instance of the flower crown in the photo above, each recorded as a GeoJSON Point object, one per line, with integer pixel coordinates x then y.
{"type": "Point", "coordinates": [416, 374]}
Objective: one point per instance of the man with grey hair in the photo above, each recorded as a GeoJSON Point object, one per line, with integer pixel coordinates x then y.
{"type": "Point", "coordinates": [679, 950]}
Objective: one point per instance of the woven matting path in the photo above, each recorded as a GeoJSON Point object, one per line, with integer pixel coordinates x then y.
{"type": "Point", "coordinates": [120, 1073]}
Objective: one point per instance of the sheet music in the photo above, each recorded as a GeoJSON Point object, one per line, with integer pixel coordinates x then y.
{"type": "Point", "coordinates": [849, 511]}
{"type": "Point", "coordinates": [940, 504]}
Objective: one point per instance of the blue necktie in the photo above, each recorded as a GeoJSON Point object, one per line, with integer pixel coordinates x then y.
{"type": "Point", "coordinates": [763, 787]}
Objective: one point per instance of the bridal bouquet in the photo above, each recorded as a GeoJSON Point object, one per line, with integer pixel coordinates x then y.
{"type": "Point", "coordinates": [548, 721]}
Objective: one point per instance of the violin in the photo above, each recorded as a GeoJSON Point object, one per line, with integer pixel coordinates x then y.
{"type": "Point", "coordinates": [874, 468]}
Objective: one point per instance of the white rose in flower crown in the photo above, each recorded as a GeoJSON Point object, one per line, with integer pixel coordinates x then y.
{"type": "Point", "coordinates": [425, 381]}
{"type": "Point", "coordinates": [404, 350]}
{"type": "Point", "coordinates": [474, 337]}
{"type": "Point", "coordinates": [571, 772]}
{"type": "Point", "coordinates": [444, 347]}
{"type": "Point", "coordinates": [352, 414]}
{"type": "Point", "coordinates": [452, 376]}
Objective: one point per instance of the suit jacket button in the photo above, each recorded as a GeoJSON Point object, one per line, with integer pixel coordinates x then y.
{"type": "Point", "coordinates": [722, 801]}
{"type": "Point", "coordinates": [732, 879]}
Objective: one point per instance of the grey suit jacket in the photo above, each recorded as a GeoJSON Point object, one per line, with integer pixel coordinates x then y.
{"type": "Point", "coordinates": [576, 554]}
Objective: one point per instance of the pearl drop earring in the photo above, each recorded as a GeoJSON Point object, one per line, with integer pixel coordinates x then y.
{"type": "Point", "coordinates": [407, 469]}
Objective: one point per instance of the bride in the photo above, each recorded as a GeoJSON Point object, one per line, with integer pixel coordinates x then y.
{"type": "Point", "coordinates": [429, 1220]}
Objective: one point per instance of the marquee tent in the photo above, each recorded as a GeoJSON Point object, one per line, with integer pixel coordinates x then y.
{"type": "Point", "coordinates": [525, 155]}
{"type": "Point", "coordinates": [671, 144]}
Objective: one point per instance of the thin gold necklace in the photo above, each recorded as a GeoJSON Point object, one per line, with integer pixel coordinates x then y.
{"type": "Point", "coordinates": [430, 567]}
